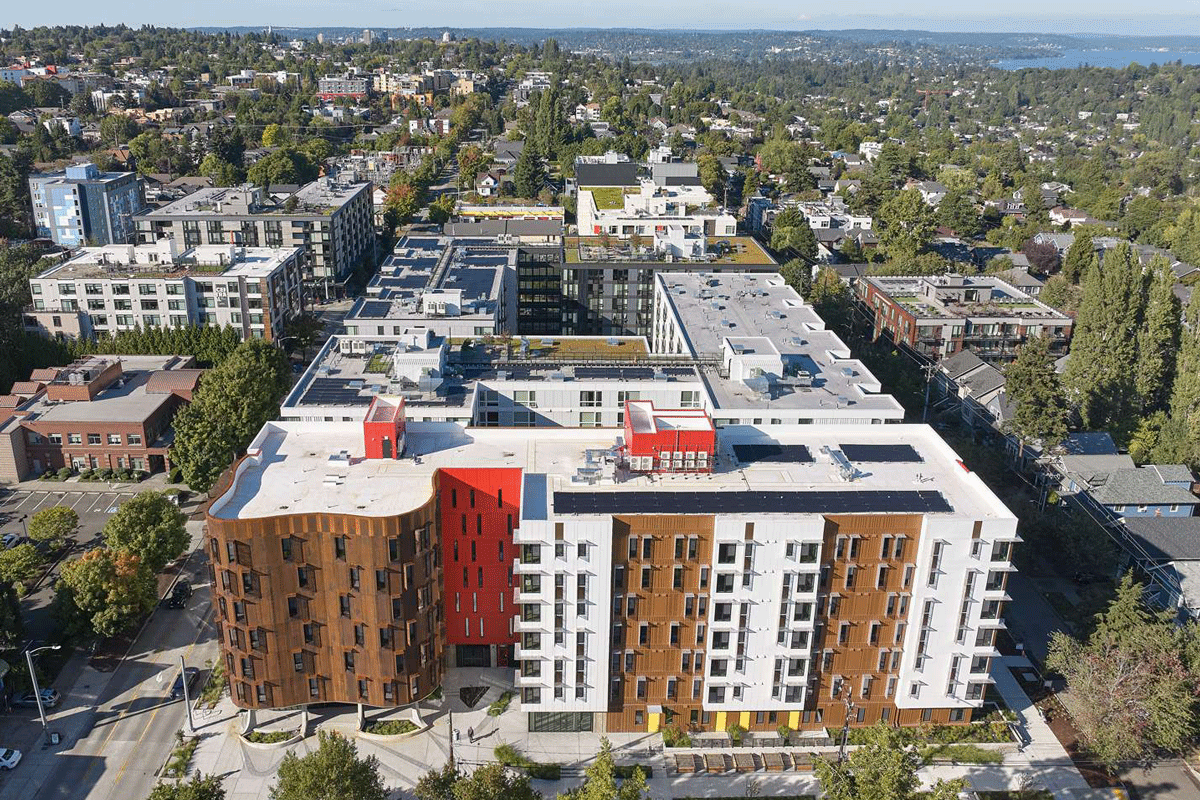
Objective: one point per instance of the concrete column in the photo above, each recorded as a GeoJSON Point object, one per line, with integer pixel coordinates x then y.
{"type": "Point", "coordinates": [249, 721]}
{"type": "Point", "coordinates": [362, 716]}
{"type": "Point", "coordinates": [303, 720]}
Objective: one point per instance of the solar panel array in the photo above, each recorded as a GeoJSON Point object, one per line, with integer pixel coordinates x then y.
{"type": "Point", "coordinates": [334, 392]}
{"type": "Point", "coordinates": [882, 453]}
{"type": "Point", "coordinates": [772, 453]}
{"type": "Point", "coordinates": [753, 502]}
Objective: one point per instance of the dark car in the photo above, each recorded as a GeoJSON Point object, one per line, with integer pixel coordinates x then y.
{"type": "Point", "coordinates": [177, 687]}
{"type": "Point", "coordinates": [180, 594]}
{"type": "Point", "coordinates": [1084, 578]}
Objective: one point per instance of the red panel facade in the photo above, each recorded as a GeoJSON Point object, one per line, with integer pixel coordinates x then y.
{"type": "Point", "coordinates": [479, 508]}
{"type": "Point", "coordinates": [383, 429]}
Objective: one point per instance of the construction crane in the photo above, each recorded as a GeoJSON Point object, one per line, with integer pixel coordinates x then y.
{"type": "Point", "coordinates": [927, 92]}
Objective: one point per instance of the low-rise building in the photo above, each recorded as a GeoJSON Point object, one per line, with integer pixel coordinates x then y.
{"type": "Point", "coordinates": [104, 290]}
{"type": "Point", "coordinates": [937, 316]}
{"type": "Point", "coordinates": [101, 412]}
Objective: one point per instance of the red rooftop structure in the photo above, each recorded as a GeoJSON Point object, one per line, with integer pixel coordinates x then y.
{"type": "Point", "coordinates": [668, 440]}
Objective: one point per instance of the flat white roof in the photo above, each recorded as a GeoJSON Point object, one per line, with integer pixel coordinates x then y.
{"type": "Point", "coordinates": [289, 470]}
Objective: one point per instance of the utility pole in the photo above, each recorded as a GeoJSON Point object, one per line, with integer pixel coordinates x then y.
{"type": "Point", "coordinates": [187, 695]}
{"type": "Point", "coordinates": [928, 369]}
{"type": "Point", "coordinates": [37, 690]}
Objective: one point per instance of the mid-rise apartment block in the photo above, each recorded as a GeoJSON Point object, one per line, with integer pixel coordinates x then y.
{"type": "Point", "coordinates": [84, 206]}
{"type": "Point", "coordinates": [759, 575]}
{"type": "Point", "coordinates": [331, 220]}
{"type": "Point", "coordinates": [940, 315]}
{"type": "Point", "coordinates": [334, 87]}
{"type": "Point", "coordinates": [104, 290]}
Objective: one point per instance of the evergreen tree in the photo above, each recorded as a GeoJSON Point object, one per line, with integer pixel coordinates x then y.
{"type": "Point", "coordinates": [1158, 339]}
{"type": "Point", "coordinates": [1185, 390]}
{"type": "Point", "coordinates": [528, 174]}
{"type": "Point", "coordinates": [1080, 256]}
{"type": "Point", "coordinates": [1032, 385]}
{"type": "Point", "coordinates": [1100, 373]}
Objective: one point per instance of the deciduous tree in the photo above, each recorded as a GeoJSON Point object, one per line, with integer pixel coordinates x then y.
{"type": "Point", "coordinates": [331, 772]}
{"type": "Point", "coordinates": [199, 787]}
{"type": "Point", "coordinates": [883, 768]}
{"type": "Point", "coordinates": [149, 526]}
{"type": "Point", "coordinates": [905, 225]}
{"type": "Point", "coordinates": [53, 526]}
{"type": "Point", "coordinates": [19, 565]}
{"type": "Point", "coordinates": [103, 592]}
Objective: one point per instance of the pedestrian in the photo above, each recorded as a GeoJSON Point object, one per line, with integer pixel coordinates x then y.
{"type": "Point", "coordinates": [470, 734]}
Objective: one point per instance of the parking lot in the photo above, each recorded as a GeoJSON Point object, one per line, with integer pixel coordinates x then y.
{"type": "Point", "coordinates": [93, 508]}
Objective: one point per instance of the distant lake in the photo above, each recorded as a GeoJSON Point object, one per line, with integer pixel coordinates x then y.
{"type": "Point", "coordinates": [1100, 58]}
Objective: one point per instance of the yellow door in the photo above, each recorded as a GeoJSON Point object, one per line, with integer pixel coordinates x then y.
{"type": "Point", "coordinates": [652, 723]}
{"type": "Point", "coordinates": [720, 721]}
{"type": "Point", "coordinates": [744, 721]}
{"type": "Point", "coordinates": [794, 720]}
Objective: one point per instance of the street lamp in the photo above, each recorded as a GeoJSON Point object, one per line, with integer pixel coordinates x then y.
{"type": "Point", "coordinates": [37, 692]}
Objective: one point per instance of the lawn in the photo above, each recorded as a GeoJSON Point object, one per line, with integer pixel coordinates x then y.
{"type": "Point", "coordinates": [608, 198]}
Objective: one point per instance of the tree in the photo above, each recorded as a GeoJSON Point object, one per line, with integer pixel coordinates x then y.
{"type": "Point", "coordinates": [12, 628]}
{"type": "Point", "coordinates": [331, 772]}
{"type": "Point", "coordinates": [471, 161]}
{"type": "Point", "coordinates": [1040, 408]}
{"type": "Point", "coordinates": [957, 212]}
{"type": "Point", "coordinates": [883, 768]}
{"type": "Point", "coordinates": [53, 526]}
{"type": "Point", "coordinates": [441, 209]}
{"type": "Point", "coordinates": [274, 136]}
{"type": "Point", "coordinates": [1079, 258]}
{"type": "Point", "coordinates": [798, 275]}
{"type": "Point", "coordinates": [20, 565]}
{"type": "Point", "coordinates": [495, 782]}
{"type": "Point", "coordinates": [103, 592]}
{"type": "Point", "coordinates": [233, 402]}
{"type": "Point", "coordinates": [1043, 257]}
{"type": "Point", "coordinates": [438, 784]}
{"type": "Point", "coordinates": [1158, 339]}
{"type": "Point", "coordinates": [1099, 377]}
{"type": "Point", "coordinates": [789, 160]}
{"type": "Point", "coordinates": [600, 782]}
{"type": "Point", "coordinates": [303, 332]}
{"type": "Point", "coordinates": [403, 198]}
{"type": "Point", "coordinates": [287, 165]}
{"type": "Point", "coordinates": [790, 233]}
{"type": "Point", "coordinates": [905, 225]}
{"type": "Point", "coordinates": [1135, 679]}
{"type": "Point", "coordinates": [528, 174]}
{"type": "Point", "coordinates": [117, 129]}
{"type": "Point", "coordinates": [712, 174]}
{"type": "Point", "coordinates": [1185, 390]}
{"type": "Point", "coordinates": [200, 787]}
{"type": "Point", "coordinates": [831, 298]}
{"type": "Point", "coordinates": [149, 526]}
{"type": "Point", "coordinates": [220, 171]}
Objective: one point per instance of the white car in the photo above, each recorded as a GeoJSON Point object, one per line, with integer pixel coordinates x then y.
{"type": "Point", "coordinates": [9, 758]}
{"type": "Point", "coordinates": [10, 540]}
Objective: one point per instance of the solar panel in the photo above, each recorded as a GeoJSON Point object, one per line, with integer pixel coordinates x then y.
{"type": "Point", "coordinates": [334, 391]}
{"type": "Point", "coordinates": [813, 502]}
{"type": "Point", "coordinates": [881, 453]}
{"type": "Point", "coordinates": [775, 453]}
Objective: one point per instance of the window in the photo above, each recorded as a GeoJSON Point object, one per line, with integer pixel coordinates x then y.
{"type": "Point", "coordinates": [689, 399]}
{"type": "Point", "coordinates": [93, 438]}
{"type": "Point", "coordinates": [591, 399]}
{"type": "Point", "coordinates": [298, 662]}
{"type": "Point", "coordinates": [589, 419]}
{"type": "Point", "coordinates": [133, 438]}
{"type": "Point", "coordinates": [74, 438]}
{"type": "Point", "coordinates": [726, 553]}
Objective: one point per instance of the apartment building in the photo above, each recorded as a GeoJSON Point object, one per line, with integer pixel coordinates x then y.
{"type": "Point", "coordinates": [101, 412]}
{"type": "Point", "coordinates": [103, 290]}
{"type": "Point", "coordinates": [661, 572]}
{"type": "Point", "coordinates": [84, 206]}
{"type": "Point", "coordinates": [940, 315]}
{"type": "Point", "coordinates": [339, 86]}
{"type": "Point", "coordinates": [331, 219]}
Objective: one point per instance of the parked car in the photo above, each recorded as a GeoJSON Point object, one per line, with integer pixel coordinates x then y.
{"type": "Point", "coordinates": [9, 758]}
{"type": "Point", "coordinates": [180, 594]}
{"type": "Point", "coordinates": [50, 699]}
{"type": "Point", "coordinates": [10, 540]}
{"type": "Point", "coordinates": [177, 687]}
{"type": "Point", "coordinates": [1084, 578]}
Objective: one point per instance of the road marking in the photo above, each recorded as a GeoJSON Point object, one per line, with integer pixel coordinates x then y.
{"type": "Point", "coordinates": [30, 496]}
{"type": "Point", "coordinates": [19, 497]}
{"type": "Point", "coordinates": [57, 495]}
{"type": "Point", "coordinates": [100, 502]}
{"type": "Point", "coordinates": [83, 498]}
{"type": "Point", "coordinates": [121, 773]}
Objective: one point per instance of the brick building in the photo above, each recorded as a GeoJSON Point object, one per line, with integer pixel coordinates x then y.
{"type": "Point", "coordinates": [101, 412]}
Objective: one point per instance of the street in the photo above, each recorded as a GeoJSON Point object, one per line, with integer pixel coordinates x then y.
{"type": "Point", "coordinates": [118, 726]}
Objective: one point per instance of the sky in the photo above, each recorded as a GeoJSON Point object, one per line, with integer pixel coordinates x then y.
{"type": "Point", "coordinates": [1047, 16]}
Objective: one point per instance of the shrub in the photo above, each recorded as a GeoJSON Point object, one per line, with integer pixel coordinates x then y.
{"type": "Point", "coordinates": [269, 737]}
{"type": "Point", "coordinates": [627, 770]}
{"type": "Point", "coordinates": [391, 727]}
{"type": "Point", "coordinates": [106, 474]}
{"type": "Point", "coordinates": [64, 473]}
{"type": "Point", "coordinates": [510, 756]}
{"type": "Point", "coordinates": [673, 737]}
{"type": "Point", "coordinates": [501, 705]}
{"type": "Point", "coordinates": [175, 475]}
{"type": "Point", "coordinates": [87, 475]}
{"type": "Point", "coordinates": [736, 732]}
{"type": "Point", "coordinates": [784, 732]}
{"type": "Point", "coordinates": [961, 753]}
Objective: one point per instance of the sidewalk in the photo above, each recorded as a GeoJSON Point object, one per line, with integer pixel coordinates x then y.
{"type": "Point", "coordinates": [249, 771]}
